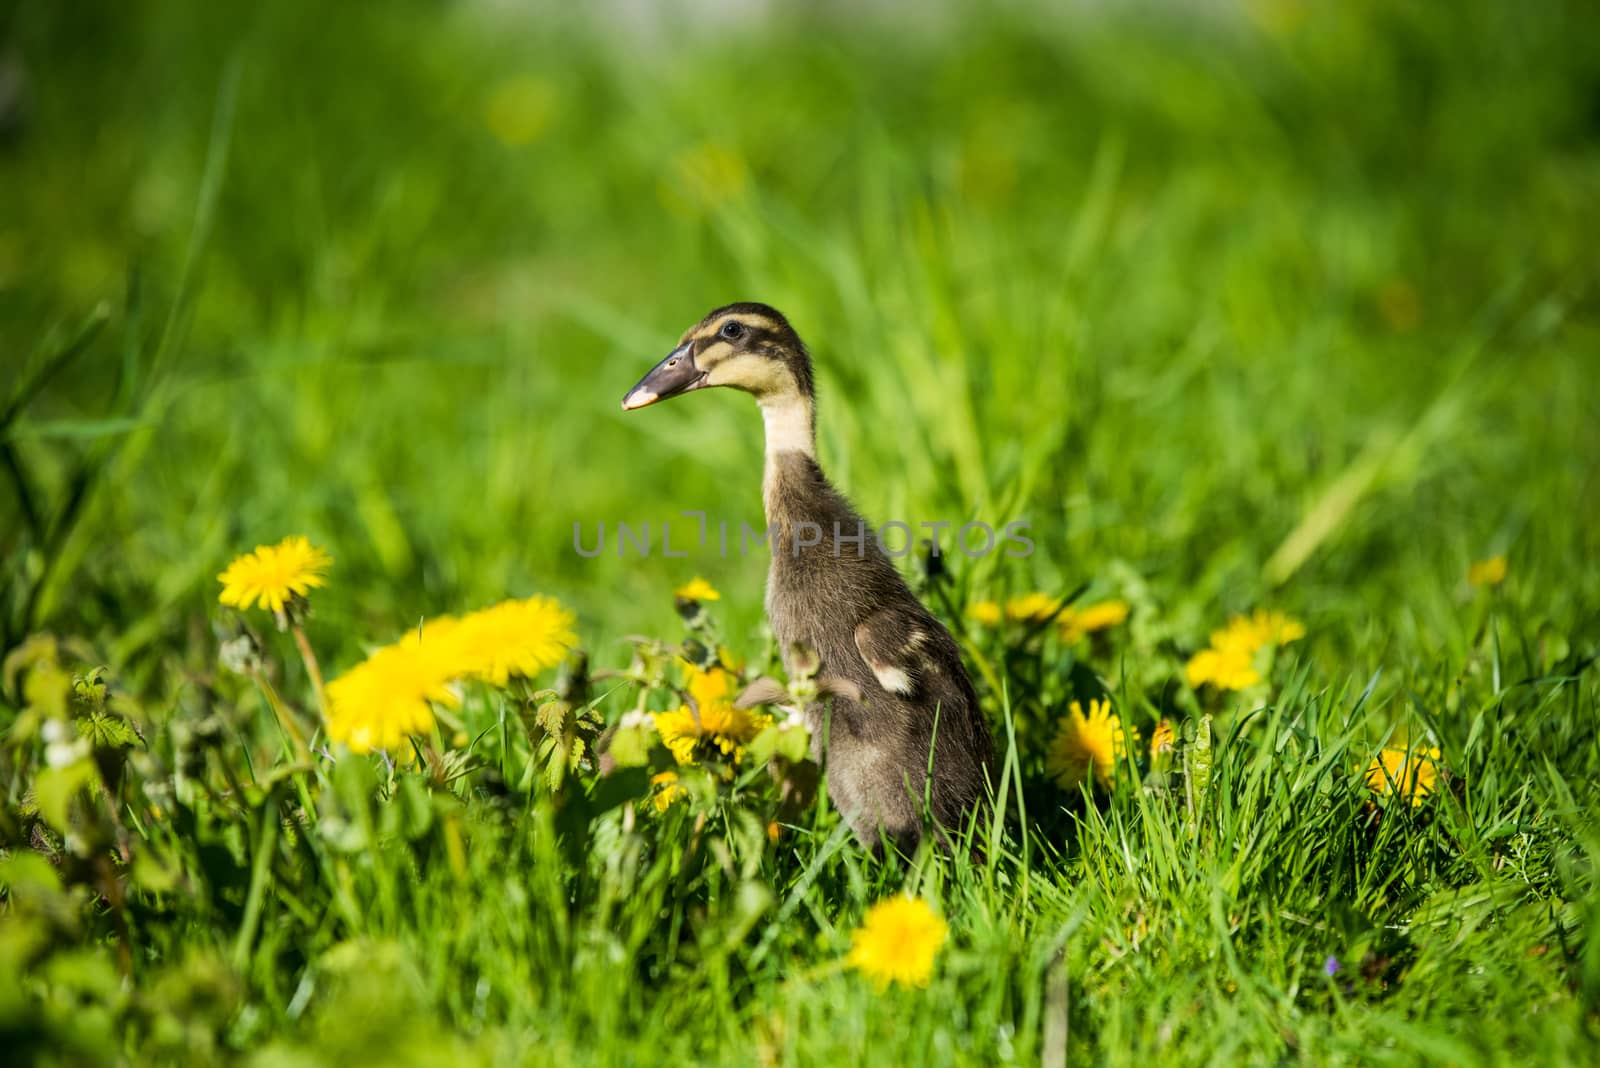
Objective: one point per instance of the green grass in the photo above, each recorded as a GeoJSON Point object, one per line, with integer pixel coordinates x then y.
{"type": "Point", "coordinates": [1282, 307]}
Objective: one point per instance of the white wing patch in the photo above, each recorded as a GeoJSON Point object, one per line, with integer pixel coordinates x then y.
{"type": "Point", "coordinates": [890, 642]}
{"type": "Point", "coordinates": [893, 679]}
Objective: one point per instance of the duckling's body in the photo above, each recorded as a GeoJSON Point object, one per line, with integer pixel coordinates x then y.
{"type": "Point", "coordinates": [865, 625]}
{"type": "Point", "coordinates": [831, 590]}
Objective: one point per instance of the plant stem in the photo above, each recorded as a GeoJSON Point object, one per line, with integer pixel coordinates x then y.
{"type": "Point", "coordinates": [285, 717]}
{"type": "Point", "coordinates": [312, 668]}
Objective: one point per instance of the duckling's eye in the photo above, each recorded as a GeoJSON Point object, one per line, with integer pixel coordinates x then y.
{"type": "Point", "coordinates": [732, 330]}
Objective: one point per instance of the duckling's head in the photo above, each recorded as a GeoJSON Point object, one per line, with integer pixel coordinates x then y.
{"type": "Point", "coordinates": [745, 346]}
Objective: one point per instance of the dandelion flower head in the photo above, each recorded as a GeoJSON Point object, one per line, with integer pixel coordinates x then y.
{"type": "Point", "coordinates": [1162, 739]}
{"type": "Point", "coordinates": [1088, 744]}
{"type": "Point", "coordinates": [1077, 622]}
{"type": "Point", "coordinates": [667, 790]}
{"type": "Point", "coordinates": [387, 698]}
{"type": "Point", "coordinates": [1032, 607]}
{"type": "Point", "coordinates": [436, 644]}
{"type": "Point", "coordinates": [897, 942]}
{"type": "Point", "coordinates": [273, 575]}
{"type": "Point", "coordinates": [1257, 631]}
{"type": "Point", "coordinates": [985, 612]}
{"type": "Point", "coordinates": [1231, 668]}
{"type": "Point", "coordinates": [1229, 663]}
{"type": "Point", "coordinates": [1411, 772]}
{"type": "Point", "coordinates": [697, 589]}
{"type": "Point", "coordinates": [713, 726]}
{"type": "Point", "coordinates": [518, 637]}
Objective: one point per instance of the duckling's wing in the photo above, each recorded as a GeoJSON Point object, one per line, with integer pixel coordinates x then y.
{"type": "Point", "coordinates": [892, 642]}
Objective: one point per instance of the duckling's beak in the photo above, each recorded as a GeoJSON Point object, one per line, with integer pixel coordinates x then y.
{"type": "Point", "coordinates": [674, 375]}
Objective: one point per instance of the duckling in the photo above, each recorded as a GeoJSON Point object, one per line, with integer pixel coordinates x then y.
{"type": "Point", "coordinates": [842, 602]}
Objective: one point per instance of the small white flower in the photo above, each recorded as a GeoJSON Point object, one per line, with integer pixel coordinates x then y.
{"type": "Point", "coordinates": [637, 720]}
{"type": "Point", "coordinates": [62, 754]}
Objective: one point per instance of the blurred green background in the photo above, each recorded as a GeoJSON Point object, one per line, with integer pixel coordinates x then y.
{"type": "Point", "coordinates": [1268, 304]}
{"type": "Point", "coordinates": [1221, 298]}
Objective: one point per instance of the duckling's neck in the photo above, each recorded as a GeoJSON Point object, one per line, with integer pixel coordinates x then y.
{"type": "Point", "coordinates": [791, 427]}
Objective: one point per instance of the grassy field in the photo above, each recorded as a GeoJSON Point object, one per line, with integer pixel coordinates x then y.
{"type": "Point", "coordinates": [1279, 306]}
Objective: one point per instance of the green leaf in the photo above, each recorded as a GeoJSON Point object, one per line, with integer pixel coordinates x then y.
{"type": "Point", "coordinates": [355, 781]}
{"type": "Point", "coordinates": [794, 744]}
{"type": "Point", "coordinates": [552, 716]}
{"type": "Point", "coordinates": [761, 748]}
{"type": "Point", "coordinates": [154, 873]}
{"type": "Point", "coordinates": [90, 688]}
{"type": "Point", "coordinates": [411, 808]}
{"type": "Point", "coordinates": [47, 690]}
{"type": "Point", "coordinates": [36, 650]}
{"type": "Point", "coordinates": [56, 787]}
{"type": "Point", "coordinates": [27, 870]}
{"type": "Point", "coordinates": [107, 732]}
{"type": "Point", "coordinates": [630, 747]}
{"type": "Point", "coordinates": [790, 743]}
{"type": "Point", "coordinates": [88, 973]}
{"type": "Point", "coordinates": [343, 835]}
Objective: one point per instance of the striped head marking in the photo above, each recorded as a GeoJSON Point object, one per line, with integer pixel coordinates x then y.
{"type": "Point", "coordinates": [750, 347]}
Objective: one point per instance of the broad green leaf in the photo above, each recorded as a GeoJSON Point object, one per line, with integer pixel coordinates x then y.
{"type": "Point", "coordinates": [47, 690]}
{"type": "Point", "coordinates": [630, 747]}
{"type": "Point", "coordinates": [26, 870]}
{"type": "Point", "coordinates": [55, 789]}
{"type": "Point", "coordinates": [107, 732]}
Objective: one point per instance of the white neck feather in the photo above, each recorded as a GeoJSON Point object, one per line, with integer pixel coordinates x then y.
{"type": "Point", "coordinates": [789, 422]}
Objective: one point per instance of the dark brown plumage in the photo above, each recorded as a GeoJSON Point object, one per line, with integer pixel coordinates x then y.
{"type": "Point", "coordinates": [844, 601]}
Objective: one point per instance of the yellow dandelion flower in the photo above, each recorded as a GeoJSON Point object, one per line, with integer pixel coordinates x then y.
{"type": "Point", "coordinates": [1229, 662]}
{"type": "Point", "coordinates": [1239, 636]}
{"type": "Point", "coordinates": [436, 643]}
{"type": "Point", "coordinates": [1413, 772]}
{"type": "Point", "coordinates": [1162, 739]}
{"type": "Point", "coordinates": [1032, 607]}
{"type": "Point", "coordinates": [710, 686]}
{"type": "Point", "coordinates": [513, 638]}
{"type": "Point", "coordinates": [1490, 572]}
{"type": "Point", "coordinates": [897, 942]}
{"type": "Point", "coordinates": [1277, 628]}
{"type": "Point", "coordinates": [1077, 622]}
{"type": "Point", "coordinates": [697, 589]}
{"type": "Point", "coordinates": [713, 725]}
{"type": "Point", "coordinates": [668, 790]}
{"type": "Point", "coordinates": [273, 575]}
{"type": "Point", "coordinates": [1228, 668]}
{"type": "Point", "coordinates": [722, 727]}
{"type": "Point", "coordinates": [1163, 742]}
{"type": "Point", "coordinates": [1101, 616]}
{"type": "Point", "coordinates": [985, 612]}
{"type": "Point", "coordinates": [1088, 744]}
{"type": "Point", "coordinates": [387, 698]}
{"type": "Point", "coordinates": [1258, 630]}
